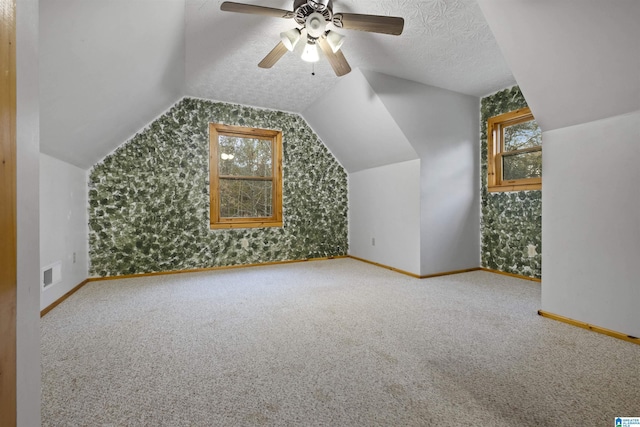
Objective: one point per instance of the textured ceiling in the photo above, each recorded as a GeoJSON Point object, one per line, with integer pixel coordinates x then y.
{"type": "Point", "coordinates": [108, 67]}
{"type": "Point", "coordinates": [445, 43]}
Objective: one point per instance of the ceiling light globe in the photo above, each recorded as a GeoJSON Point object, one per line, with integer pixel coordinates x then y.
{"type": "Point", "coordinates": [310, 53]}
{"type": "Point", "coordinates": [290, 38]}
{"type": "Point", "coordinates": [335, 40]}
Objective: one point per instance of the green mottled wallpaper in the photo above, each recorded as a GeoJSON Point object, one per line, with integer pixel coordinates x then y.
{"type": "Point", "coordinates": [149, 200]}
{"type": "Point", "coordinates": [512, 221]}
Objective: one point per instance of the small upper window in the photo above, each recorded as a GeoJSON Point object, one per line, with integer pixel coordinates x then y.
{"type": "Point", "coordinates": [515, 152]}
{"type": "Point", "coordinates": [245, 166]}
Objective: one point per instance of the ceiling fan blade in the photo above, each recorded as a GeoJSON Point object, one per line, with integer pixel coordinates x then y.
{"type": "Point", "coordinates": [372, 23]}
{"type": "Point", "coordinates": [229, 6]}
{"type": "Point", "coordinates": [337, 60]}
{"type": "Point", "coordinates": [273, 56]}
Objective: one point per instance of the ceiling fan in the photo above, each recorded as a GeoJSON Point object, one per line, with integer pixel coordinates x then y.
{"type": "Point", "coordinates": [313, 17]}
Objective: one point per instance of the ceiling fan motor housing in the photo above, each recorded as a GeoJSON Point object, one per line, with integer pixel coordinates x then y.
{"type": "Point", "coordinates": [302, 9]}
{"type": "Point", "coordinates": [315, 25]}
{"type": "Point", "coordinates": [319, 5]}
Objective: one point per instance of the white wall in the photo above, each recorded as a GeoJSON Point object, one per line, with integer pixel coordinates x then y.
{"type": "Point", "coordinates": [450, 220]}
{"type": "Point", "coordinates": [370, 120]}
{"type": "Point", "coordinates": [384, 203]}
{"type": "Point", "coordinates": [591, 223]}
{"type": "Point", "coordinates": [63, 224]}
{"type": "Point", "coordinates": [28, 293]}
{"type": "Point", "coordinates": [442, 126]}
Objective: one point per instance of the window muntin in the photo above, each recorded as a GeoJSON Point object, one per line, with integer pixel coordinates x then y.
{"type": "Point", "coordinates": [515, 152]}
{"type": "Point", "coordinates": [245, 177]}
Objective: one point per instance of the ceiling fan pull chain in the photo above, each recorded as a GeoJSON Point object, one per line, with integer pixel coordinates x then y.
{"type": "Point", "coordinates": [313, 68]}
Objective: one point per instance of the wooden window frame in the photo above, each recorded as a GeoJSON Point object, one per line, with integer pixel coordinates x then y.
{"type": "Point", "coordinates": [495, 126]}
{"type": "Point", "coordinates": [275, 137]}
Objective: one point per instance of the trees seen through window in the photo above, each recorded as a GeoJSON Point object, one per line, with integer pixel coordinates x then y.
{"type": "Point", "coordinates": [245, 177]}
{"type": "Point", "coordinates": [515, 152]}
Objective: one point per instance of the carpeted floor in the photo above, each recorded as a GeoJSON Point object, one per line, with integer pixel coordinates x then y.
{"type": "Point", "coordinates": [327, 343]}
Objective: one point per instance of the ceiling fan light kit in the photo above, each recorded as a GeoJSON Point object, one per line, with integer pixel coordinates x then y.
{"type": "Point", "coordinates": [313, 16]}
{"type": "Point", "coordinates": [310, 52]}
{"type": "Point", "coordinates": [335, 40]}
{"type": "Point", "coordinates": [290, 38]}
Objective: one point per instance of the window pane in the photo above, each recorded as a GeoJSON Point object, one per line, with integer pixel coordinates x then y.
{"type": "Point", "coordinates": [241, 198]}
{"type": "Point", "coordinates": [523, 165]}
{"type": "Point", "coordinates": [244, 156]}
{"type": "Point", "coordinates": [522, 135]}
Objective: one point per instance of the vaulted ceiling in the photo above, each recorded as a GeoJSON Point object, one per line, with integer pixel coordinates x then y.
{"type": "Point", "coordinates": [575, 61]}
{"type": "Point", "coordinates": [445, 43]}
{"type": "Point", "coordinates": [109, 67]}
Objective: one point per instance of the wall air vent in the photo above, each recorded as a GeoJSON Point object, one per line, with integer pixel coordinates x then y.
{"type": "Point", "coordinates": [51, 274]}
{"type": "Point", "coordinates": [48, 277]}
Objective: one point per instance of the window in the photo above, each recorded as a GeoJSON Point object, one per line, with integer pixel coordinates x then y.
{"type": "Point", "coordinates": [515, 152]}
{"type": "Point", "coordinates": [245, 167]}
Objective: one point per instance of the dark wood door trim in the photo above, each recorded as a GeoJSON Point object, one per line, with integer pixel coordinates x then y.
{"type": "Point", "coordinates": [8, 233]}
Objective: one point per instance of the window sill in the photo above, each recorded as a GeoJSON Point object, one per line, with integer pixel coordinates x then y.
{"type": "Point", "coordinates": [514, 187]}
{"type": "Point", "coordinates": [253, 224]}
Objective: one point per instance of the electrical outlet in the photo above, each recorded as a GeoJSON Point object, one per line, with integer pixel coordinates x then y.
{"type": "Point", "coordinates": [373, 241]}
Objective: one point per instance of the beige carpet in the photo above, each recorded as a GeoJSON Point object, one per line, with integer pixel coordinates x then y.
{"type": "Point", "coordinates": [328, 343]}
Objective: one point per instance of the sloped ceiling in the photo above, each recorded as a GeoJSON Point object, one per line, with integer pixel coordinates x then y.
{"type": "Point", "coordinates": [575, 62]}
{"type": "Point", "coordinates": [424, 113]}
{"type": "Point", "coordinates": [355, 125]}
{"type": "Point", "coordinates": [109, 67]}
{"type": "Point", "coordinates": [370, 119]}
{"type": "Point", "coordinates": [445, 43]}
